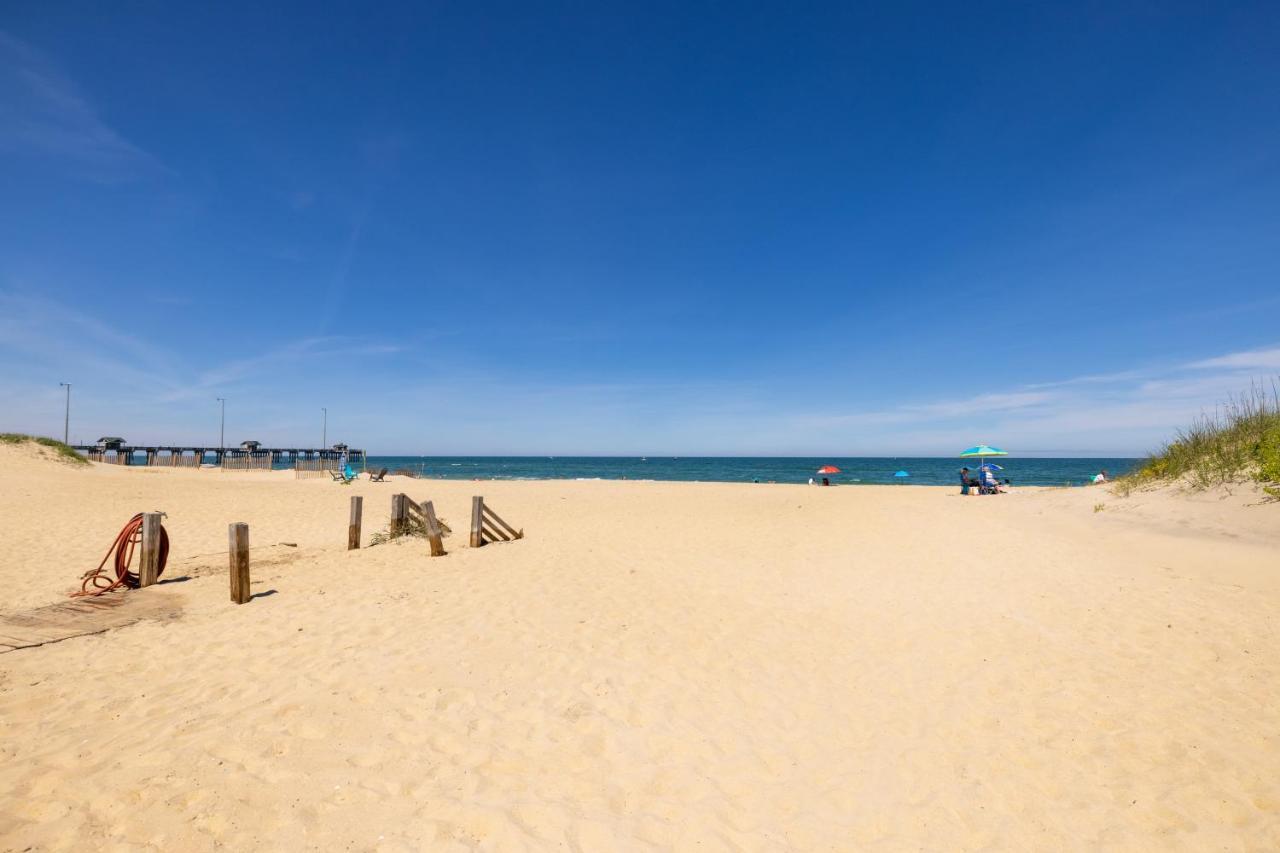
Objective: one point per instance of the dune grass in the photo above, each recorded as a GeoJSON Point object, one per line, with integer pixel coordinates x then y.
{"type": "Point", "coordinates": [1239, 441]}
{"type": "Point", "coordinates": [63, 450]}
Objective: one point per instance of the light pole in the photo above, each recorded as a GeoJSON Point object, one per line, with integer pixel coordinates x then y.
{"type": "Point", "coordinates": [222, 427]}
{"type": "Point", "coordinates": [66, 419]}
{"type": "Point", "coordinates": [324, 434]}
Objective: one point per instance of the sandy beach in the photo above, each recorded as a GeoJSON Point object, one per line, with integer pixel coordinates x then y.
{"type": "Point", "coordinates": [656, 666]}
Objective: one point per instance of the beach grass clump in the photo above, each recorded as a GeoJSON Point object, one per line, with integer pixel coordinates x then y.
{"type": "Point", "coordinates": [1240, 441]}
{"type": "Point", "coordinates": [64, 451]}
{"type": "Point", "coordinates": [414, 525]}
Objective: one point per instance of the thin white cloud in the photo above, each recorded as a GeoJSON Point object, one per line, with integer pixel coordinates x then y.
{"type": "Point", "coordinates": [1258, 359]}
{"type": "Point", "coordinates": [934, 411]}
{"type": "Point", "coordinates": [1123, 412]}
{"type": "Point", "coordinates": [1091, 379]}
{"type": "Point", "coordinates": [125, 384]}
{"type": "Point", "coordinates": [44, 113]}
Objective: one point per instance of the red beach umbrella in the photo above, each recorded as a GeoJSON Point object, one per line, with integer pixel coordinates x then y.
{"type": "Point", "coordinates": [828, 469]}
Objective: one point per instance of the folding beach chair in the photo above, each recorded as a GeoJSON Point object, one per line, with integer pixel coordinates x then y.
{"type": "Point", "coordinates": [378, 477]}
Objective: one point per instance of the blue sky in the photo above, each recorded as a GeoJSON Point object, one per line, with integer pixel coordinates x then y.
{"type": "Point", "coordinates": [683, 228]}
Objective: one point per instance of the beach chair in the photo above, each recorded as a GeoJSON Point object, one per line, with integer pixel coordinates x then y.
{"type": "Point", "coordinates": [336, 476]}
{"type": "Point", "coordinates": [378, 477]}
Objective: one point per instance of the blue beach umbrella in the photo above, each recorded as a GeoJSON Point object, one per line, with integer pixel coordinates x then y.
{"type": "Point", "coordinates": [902, 474]}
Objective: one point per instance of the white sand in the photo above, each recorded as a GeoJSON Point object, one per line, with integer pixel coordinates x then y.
{"type": "Point", "coordinates": [656, 666]}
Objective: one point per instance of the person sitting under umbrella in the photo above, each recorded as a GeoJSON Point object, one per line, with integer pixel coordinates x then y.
{"type": "Point", "coordinates": [990, 485]}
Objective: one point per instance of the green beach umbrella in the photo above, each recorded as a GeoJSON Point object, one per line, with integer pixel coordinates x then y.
{"type": "Point", "coordinates": [982, 451]}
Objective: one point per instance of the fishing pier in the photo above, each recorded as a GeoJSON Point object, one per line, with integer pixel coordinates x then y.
{"type": "Point", "coordinates": [249, 455]}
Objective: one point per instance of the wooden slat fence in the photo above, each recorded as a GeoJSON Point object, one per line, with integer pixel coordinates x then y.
{"type": "Point", "coordinates": [255, 462]}
{"type": "Point", "coordinates": [307, 468]}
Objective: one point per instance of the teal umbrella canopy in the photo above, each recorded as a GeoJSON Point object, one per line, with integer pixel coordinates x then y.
{"type": "Point", "coordinates": [983, 450]}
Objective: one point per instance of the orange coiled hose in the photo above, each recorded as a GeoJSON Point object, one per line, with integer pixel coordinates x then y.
{"type": "Point", "coordinates": [97, 582]}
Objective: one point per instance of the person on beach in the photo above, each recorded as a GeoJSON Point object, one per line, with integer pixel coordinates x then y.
{"type": "Point", "coordinates": [1101, 476]}
{"type": "Point", "coordinates": [989, 484]}
{"type": "Point", "coordinates": [966, 482]}
{"type": "Point", "coordinates": [826, 482]}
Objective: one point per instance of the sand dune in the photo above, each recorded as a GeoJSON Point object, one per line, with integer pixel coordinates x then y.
{"type": "Point", "coordinates": [657, 666]}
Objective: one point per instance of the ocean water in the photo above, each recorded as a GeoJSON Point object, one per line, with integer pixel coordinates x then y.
{"type": "Point", "coordinates": [928, 471]}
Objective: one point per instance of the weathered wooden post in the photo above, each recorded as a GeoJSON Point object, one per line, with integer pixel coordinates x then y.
{"type": "Point", "coordinates": [149, 560]}
{"type": "Point", "coordinates": [353, 524]}
{"type": "Point", "coordinates": [238, 546]}
{"type": "Point", "coordinates": [433, 529]}
{"type": "Point", "coordinates": [477, 521]}
{"type": "Point", "coordinates": [397, 515]}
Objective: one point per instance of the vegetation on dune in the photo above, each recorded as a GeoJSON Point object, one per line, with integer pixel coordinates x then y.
{"type": "Point", "coordinates": [1240, 441]}
{"type": "Point", "coordinates": [414, 525]}
{"type": "Point", "coordinates": [63, 450]}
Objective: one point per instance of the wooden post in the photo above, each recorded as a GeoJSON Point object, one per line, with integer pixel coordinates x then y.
{"type": "Point", "coordinates": [353, 524]}
{"type": "Point", "coordinates": [397, 515]}
{"type": "Point", "coordinates": [433, 529]}
{"type": "Point", "coordinates": [238, 546]}
{"type": "Point", "coordinates": [149, 560]}
{"type": "Point", "coordinates": [477, 521]}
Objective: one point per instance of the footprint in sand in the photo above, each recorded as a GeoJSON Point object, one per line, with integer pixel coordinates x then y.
{"type": "Point", "coordinates": [371, 758]}
{"type": "Point", "coordinates": [455, 698]}
{"type": "Point", "coordinates": [48, 811]}
{"type": "Point", "coordinates": [312, 731]}
{"type": "Point", "coordinates": [409, 737]}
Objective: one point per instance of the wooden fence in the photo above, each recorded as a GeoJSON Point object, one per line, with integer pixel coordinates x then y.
{"type": "Point", "coordinates": [176, 460]}
{"type": "Point", "coordinates": [256, 462]}
{"type": "Point", "coordinates": [307, 468]}
{"type": "Point", "coordinates": [487, 527]}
